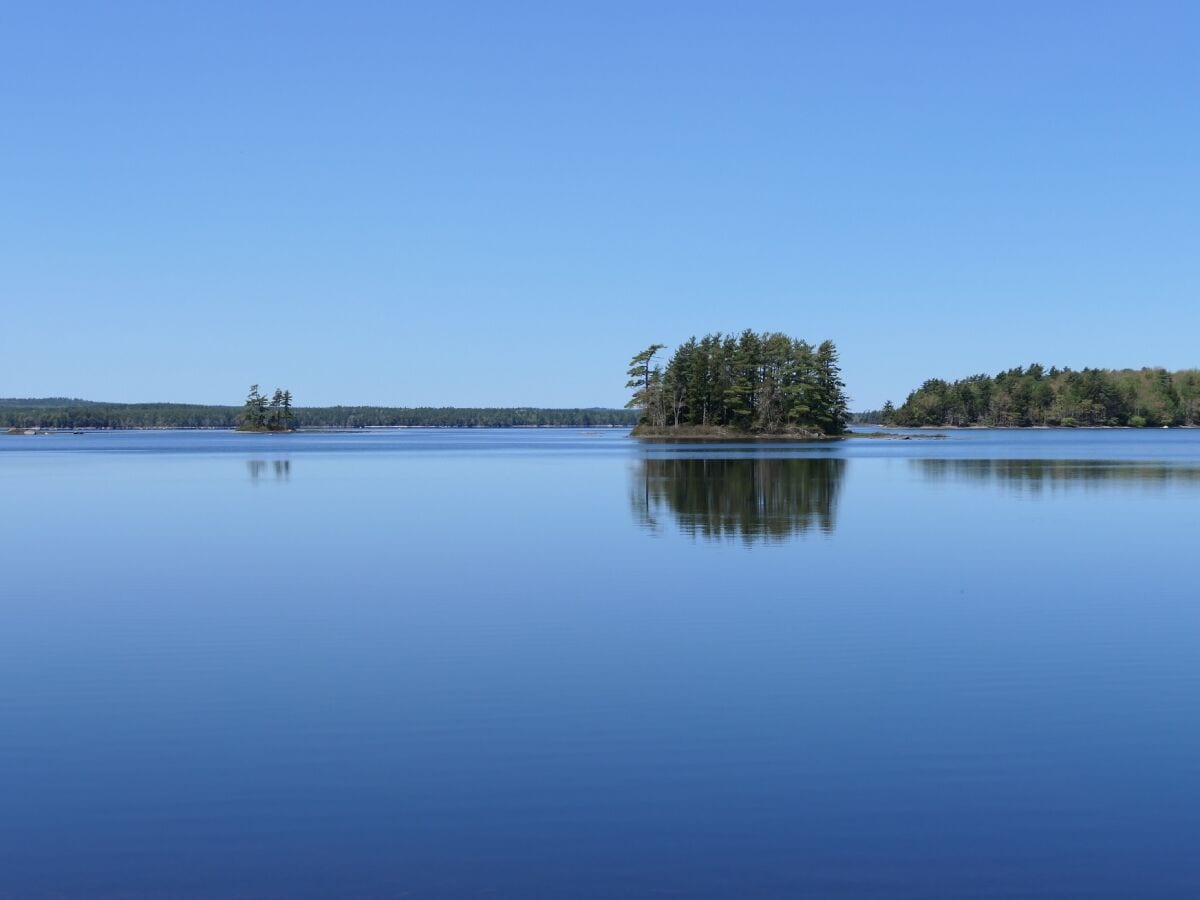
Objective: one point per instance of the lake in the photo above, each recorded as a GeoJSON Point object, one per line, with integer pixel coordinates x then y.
{"type": "Point", "coordinates": [554, 663]}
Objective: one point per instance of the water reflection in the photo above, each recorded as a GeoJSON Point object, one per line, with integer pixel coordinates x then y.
{"type": "Point", "coordinates": [756, 499]}
{"type": "Point", "coordinates": [258, 469]}
{"type": "Point", "coordinates": [1038, 475]}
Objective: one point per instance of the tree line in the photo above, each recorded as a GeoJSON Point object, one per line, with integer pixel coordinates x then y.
{"type": "Point", "coordinates": [67, 413]}
{"type": "Point", "coordinates": [464, 417]}
{"type": "Point", "coordinates": [1063, 397]}
{"type": "Point", "coordinates": [765, 383]}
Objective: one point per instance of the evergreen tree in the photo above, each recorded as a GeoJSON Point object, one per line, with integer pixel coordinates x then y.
{"type": "Point", "coordinates": [831, 390]}
{"type": "Point", "coordinates": [254, 412]}
{"type": "Point", "coordinates": [643, 382]}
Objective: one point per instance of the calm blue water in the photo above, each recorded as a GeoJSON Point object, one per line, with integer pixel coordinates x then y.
{"type": "Point", "coordinates": [522, 664]}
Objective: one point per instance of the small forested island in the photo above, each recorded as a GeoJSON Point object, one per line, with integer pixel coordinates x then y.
{"type": "Point", "coordinates": [762, 385]}
{"type": "Point", "coordinates": [263, 415]}
{"type": "Point", "coordinates": [1036, 396]}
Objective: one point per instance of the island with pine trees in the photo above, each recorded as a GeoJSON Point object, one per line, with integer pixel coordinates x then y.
{"type": "Point", "coordinates": [733, 387]}
{"type": "Point", "coordinates": [262, 415]}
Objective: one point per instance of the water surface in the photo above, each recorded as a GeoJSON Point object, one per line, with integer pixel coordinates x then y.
{"type": "Point", "coordinates": [542, 663]}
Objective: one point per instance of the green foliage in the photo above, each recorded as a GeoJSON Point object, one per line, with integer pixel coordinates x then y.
{"type": "Point", "coordinates": [1036, 396]}
{"type": "Point", "coordinates": [764, 383]}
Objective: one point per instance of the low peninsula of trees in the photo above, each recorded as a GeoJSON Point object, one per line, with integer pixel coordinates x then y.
{"type": "Point", "coordinates": [870, 416]}
{"type": "Point", "coordinates": [261, 414]}
{"type": "Point", "coordinates": [764, 384]}
{"type": "Point", "coordinates": [1036, 396]}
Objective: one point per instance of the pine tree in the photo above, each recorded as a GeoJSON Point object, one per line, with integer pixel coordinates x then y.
{"type": "Point", "coordinates": [642, 381]}
{"type": "Point", "coordinates": [831, 415]}
{"type": "Point", "coordinates": [254, 412]}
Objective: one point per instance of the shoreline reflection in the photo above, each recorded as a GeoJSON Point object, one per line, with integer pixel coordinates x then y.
{"type": "Point", "coordinates": [1038, 475]}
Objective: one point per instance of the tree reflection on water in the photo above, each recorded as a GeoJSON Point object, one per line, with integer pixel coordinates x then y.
{"type": "Point", "coordinates": [258, 469]}
{"type": "Point", "coordinates": [755, 499]}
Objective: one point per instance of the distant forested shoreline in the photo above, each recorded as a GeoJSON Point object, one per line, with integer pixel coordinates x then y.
{"type": "Point", "coordinates": [1036, 396]}
{"type": "Point", "coordinates": [67, 413]}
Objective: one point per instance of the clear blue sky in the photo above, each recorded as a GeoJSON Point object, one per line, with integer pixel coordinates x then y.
{"type": "Point", "coordinates": [499, 203]}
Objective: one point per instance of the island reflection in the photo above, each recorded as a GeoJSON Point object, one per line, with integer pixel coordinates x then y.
{"type": "Point", "coordinates": [1038, 475]}
{"type": "Point", "coordinates": [258, 468]}
{"type": "Point", "coordinates": [759, 499]}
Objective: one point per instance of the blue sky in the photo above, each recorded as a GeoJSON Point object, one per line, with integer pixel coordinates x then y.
{"type": "Point", "coordinates": [498, 204]}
